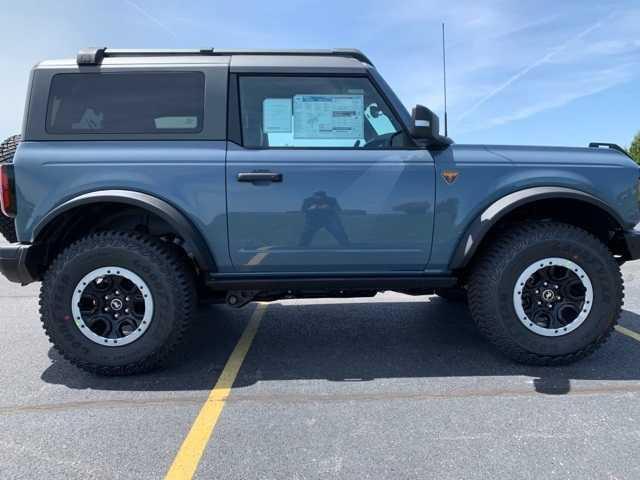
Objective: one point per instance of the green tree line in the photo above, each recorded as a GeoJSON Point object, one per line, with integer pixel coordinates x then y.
{"type": "Point", "coordinates": [634, 149]}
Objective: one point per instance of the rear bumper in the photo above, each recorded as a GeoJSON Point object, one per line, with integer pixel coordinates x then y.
{"type": "Point", "coordinates": [13, 263]}
{"type": "Point", "coordinates": [632, 240]}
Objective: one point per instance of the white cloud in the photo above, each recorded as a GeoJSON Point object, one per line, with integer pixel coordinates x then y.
{"type": "Point", "coordinates": [153, 19]}
{"type": "Point", "coordinates": [561, 93]}
{"type": "Point", "coordinates": [542, 60]}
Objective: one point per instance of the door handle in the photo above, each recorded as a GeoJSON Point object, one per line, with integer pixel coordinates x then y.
{"type": "Point", "coordinates": [254, 177]}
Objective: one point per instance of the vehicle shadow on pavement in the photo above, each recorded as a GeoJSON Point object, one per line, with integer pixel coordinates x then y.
{"type": "Point", "coordinates": [355, 341]}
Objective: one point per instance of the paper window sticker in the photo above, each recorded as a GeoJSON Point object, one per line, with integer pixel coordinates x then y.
{"type": "Point", "coordinates": [328, 116]}
{"type": "Point", "coordinates": [276, 115]}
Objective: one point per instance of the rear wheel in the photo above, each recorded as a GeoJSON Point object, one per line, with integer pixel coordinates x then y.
{"type": "Point", "coordinates": [117, 303]}
{"type": "Point", "coordinates": [546, 293]}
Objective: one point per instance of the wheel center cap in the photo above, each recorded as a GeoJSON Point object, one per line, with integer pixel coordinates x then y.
{"type": "Point", "coordinates": [116, 304]}
{"type": "Point", "coordinates": [548, 295]}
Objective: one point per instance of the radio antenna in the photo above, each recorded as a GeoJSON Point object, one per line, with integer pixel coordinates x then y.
{"type": "Point", "coordinates": [444, 70]}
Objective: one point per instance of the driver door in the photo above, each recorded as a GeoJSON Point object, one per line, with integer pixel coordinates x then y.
{"type": "Point", "coordinates": [326, 180]}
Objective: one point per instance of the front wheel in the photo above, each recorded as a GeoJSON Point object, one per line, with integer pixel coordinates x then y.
{"type": "Point", "coordinates": [546, 293]}
{"type": "Point", "coordinates": [117, 303]}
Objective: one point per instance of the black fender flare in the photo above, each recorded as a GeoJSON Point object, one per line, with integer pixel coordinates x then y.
{"type": "Point", "coordinates": [152, 204]}
{"type": "Point", "coordinates": [482, 224]}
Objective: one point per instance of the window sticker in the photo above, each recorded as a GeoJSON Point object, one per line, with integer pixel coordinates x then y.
{"type": "Point", "coordinates": [328, 116]}
{"type": "Point", "coordinates": [276, 115]}
{"type": "Point", "coordinates": [175, 123]}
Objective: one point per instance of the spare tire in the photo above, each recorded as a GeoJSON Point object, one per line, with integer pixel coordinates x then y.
{"type": "Point", "coordinates": [7, 150]}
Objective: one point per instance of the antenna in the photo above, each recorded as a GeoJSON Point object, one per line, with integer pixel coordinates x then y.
{"type": "Point", "coordinates": [444, 70]}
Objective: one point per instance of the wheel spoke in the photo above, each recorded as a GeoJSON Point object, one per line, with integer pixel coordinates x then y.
{"type": "Point", "coordinates": [544, 275]}
{"type": "Point", "coordinates": [552, 321]}
{"type": "Point", "coordinates": [113, 332]}
{"type": "Point", "coordinates": [91, 289]}
{"type": "Point", "coordinates": [116, 282]}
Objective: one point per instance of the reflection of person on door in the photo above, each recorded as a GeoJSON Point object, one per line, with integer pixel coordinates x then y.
{"type": "Point", "coordinates": [322, 211]}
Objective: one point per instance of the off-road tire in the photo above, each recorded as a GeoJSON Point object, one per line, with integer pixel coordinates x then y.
{"type": "Point", "coordinates": [7, 150]}
{"type": "Point", "coordinates": [495, 274]}
{"type": "Point", "coordinates": [169, 279]}
{"type": "Point", "coordinates": [453, 295]}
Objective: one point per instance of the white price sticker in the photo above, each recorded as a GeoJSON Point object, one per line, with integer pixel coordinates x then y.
{"type": "Point", "coordinates": [276, 115]}
{"type": "Point", "coordinates": [328, 116]}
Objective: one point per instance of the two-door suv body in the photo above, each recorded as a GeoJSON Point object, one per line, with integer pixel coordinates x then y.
{"type": "Point", "coordinates": [147, 180]}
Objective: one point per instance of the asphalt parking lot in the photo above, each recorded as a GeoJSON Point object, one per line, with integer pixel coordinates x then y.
{"type": "Point", "coordinates": [389, 387]}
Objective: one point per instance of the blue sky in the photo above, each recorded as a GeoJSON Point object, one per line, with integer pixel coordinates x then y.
{"type": "Point", "coordinates": [520, 72]}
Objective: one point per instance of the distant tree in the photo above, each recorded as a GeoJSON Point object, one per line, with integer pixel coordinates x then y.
{"type": "Point", "coordinates": [634, 149]}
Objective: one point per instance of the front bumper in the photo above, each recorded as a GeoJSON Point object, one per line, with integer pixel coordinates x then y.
{"type": "Point", "coordinates": [13, 263]}
{"type": "Point", "coordinates": [632, 240]}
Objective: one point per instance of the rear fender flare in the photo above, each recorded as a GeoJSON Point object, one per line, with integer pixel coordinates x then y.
{"type": "Point", "coordinates": [147, 202]}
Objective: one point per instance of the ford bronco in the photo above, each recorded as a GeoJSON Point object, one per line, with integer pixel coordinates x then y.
{"type": "Point", "coordinates": [147, 181]}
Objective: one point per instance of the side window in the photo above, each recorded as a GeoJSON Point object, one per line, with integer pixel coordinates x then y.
{"type": "Point", "coordinates": [320, 112]}
{"type": "Point", "coordinates": [126, 103]}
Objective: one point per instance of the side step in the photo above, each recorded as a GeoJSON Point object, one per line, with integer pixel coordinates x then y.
{"type": "Point", "coordinates": [225, 282]}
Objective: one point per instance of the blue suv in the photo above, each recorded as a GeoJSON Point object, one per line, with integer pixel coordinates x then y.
{"type": "Point", "coordinates": [148, 180]}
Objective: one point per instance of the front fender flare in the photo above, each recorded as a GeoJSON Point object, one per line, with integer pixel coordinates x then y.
{"type": "Point", "coordinates": [152, 204]}
{"type": "Point", "coordinates": [479, 227]}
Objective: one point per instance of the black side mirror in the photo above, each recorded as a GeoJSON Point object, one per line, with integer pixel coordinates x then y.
{"type": "Point", "coordinates": [425, 125]}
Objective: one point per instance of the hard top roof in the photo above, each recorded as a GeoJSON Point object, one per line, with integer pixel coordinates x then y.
{"type": "Point", "coordinates": [318, 57]}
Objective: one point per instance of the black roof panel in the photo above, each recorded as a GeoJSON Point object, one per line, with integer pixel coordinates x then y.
{"type": "Point", "coordinates": [94, 56]}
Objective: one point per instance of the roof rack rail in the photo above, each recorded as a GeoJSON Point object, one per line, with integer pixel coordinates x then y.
{"type": "Point", "coordinates": [94, 56]}
{"type": "Point", "coordinates": [611, 146]}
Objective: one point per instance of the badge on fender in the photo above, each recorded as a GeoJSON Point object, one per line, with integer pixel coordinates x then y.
{"type": "Point", "coordinates": [450, 176]}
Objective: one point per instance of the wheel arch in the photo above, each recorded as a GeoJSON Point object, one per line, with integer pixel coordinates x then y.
{"type": "Point", "coordinates": [536, 202]}
{"type": "Point", "coordinates": [132, 199]}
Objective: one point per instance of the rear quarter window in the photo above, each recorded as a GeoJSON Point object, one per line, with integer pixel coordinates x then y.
{"type": "Point", "coordinates": [126, 103]}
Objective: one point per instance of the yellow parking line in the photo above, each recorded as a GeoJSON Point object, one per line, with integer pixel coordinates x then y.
{"type": "Point", "coordinates": [188, 457]}
{"type": "Point", "coordinates": [628, 333]}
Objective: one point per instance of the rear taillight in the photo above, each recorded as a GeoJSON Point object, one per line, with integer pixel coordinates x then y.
{"type": "Point", "coordinates": [7, 190]}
